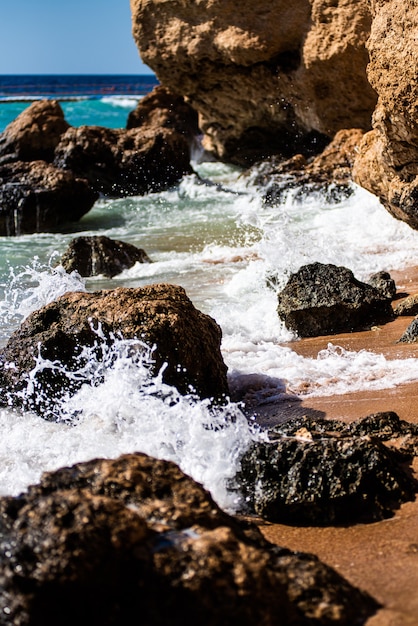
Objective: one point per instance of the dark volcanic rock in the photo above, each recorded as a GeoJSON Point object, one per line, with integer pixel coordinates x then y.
{"type": "Point", "coordinates": [119, 162]}
{"type": "Point", "coordinates": [323, 472]}
{"type": "Point", "coordinates": [100, 542]}
{"type": "Point", "coordinates": [91, 256]}
{"type": "Point", "coordinates": [34, 134]}
{"type": "Point", "coordinates": [164, 109]}
{"type": "Point", "coordinates": [383, 282]}
{"type": "Point", "coordinates": [185, 339]}
{"type": "Point", "coordinates": [411, 333]}
{"type": "Point", "coordinates": [325, 299]}
{"type": "Point", "coordinates": [36, 197]}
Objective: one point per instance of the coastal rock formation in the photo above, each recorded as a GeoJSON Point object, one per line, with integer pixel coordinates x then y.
{"type": "Point", "coordinates": [163, 109]}
{"type": "Point", "coordinates": [100, 255]}
{"type": "Point", "coordinates": [322, 299]}
{"type": "Point", "coordinates": [36, 197]}
{"type": "Point", "coordinates": [119, 162]}
{"type": "Point", "coordinates": [324, 472]}
{"type": "Point", "coordinates": [67, 337]}
{"type": "Point", "coordinates": [99, 542]}
{"type": "Point", "coordinates": [272, 78]}
{"type": "Point", "coordinates": [387, 164]}
{"type": "Point", "coordinates": [409, 306]}
{"type": "Point", "coordinates": [329, 173]}
{"type": "Point", "coordinates": [34, 134]}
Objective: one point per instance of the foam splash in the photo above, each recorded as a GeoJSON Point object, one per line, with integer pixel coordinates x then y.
{"type": "Point", "coordinates": [121, 407]}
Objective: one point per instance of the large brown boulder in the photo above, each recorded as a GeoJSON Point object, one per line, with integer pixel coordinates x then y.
{"type": "Point", "coordinates": [160, 315]}
{"type": "Point", "coordinates": [34, 134]}
{"type": "Point", "coordinates": [387, 163]}
{"type": "Point", "coordinates": [267, 77]}
{"type": "Point", "coordinates": [164, 109]}
{"type": "Point", "coordinates": [108, 540]}
{"type": "Point", "coordinates": [36, 197]}
{"type": "Point", "coordinates": [119, 162]}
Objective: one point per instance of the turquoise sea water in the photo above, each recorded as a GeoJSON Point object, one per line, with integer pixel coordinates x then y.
{"type": "Point", "coordinates": [220, 242]}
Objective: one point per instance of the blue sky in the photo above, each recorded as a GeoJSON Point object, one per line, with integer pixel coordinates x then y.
{"type": "Point", "coordinates": [67, 37]}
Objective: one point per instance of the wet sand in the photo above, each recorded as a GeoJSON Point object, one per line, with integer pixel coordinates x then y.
{"type": "Point", "coordinates": [380, 558]}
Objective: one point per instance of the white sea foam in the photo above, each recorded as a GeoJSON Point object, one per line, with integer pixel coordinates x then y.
{"type": "Point", "coordinates": [121, 408]}
{"type": "Point", "coordinates": [231, 252]}
{"type": "Point", "coordinates": [126, 102]}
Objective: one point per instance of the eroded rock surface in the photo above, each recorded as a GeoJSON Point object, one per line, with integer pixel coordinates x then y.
{"type": "Point", "coordinates": [36, 197]}
{"type": "Point", "coordinates": [185, 339]}
{"type": "Point", "coordinates": [119, 162]}
{"type": "Point", "coordinates": [324, 472]}
{"type": "Point", "coordinates": [102, 541]}
{"type": "Point", "coordinates": [387, 164]}
{"type": "Point", "coordinates": [163, 109]}
{"type": "Point", "coordinates": [100, 255]}
{"type": "Point", "coordinates": [34, 134]}
{"type": "Point", "coordinates": [329, 173]}
{"type": "Point", "coordinates": [272, 78]}
{"type": "Point", "coordinates": [323, 299]}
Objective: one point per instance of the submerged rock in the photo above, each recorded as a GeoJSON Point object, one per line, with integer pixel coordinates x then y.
{"type": "Point", "coordinates": [187, 344]}
{"type": "Point", "coordinates": [36, 197]}
{"type": "Point", "coordinates": [102, 541]}
{"type": "Point", "coordinates": [34, 134]}
{"type": "Point", "coordinates": [100, 255]}
{"type": "Point", "coordinates": [119, 162]}
{"type": "Point", "coordinates": [325, 299]}
{"type": "Point", "coordinates": [324, 472]}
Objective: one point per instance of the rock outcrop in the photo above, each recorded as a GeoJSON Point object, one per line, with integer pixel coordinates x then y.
{"type": "Point", "coordinates": [387, 164]}
{"type": "Point", "coordinates": [163, 109]}
{"type": "Point", "coordinates": [51, 173]}
{"type": "Point", "coordinates": [100, 255]}
{"type": "Point", "coordinates": [329, 173]}
{"type": "Point", "coordinates": [34, 134]}
{"type": "Point", "coordinates": [320, 472]}
{"type": "Point", "coordinates": [119, 162]}
{"type": "Point", "coordinates": [36, 197]}
{"type": "Point", "coordinates": [69, 333]}
{"type": "Point", "coordinates": [272, 78]}
{"type": "Point", "coordinates": [323, 299]}
{"type": "Point", "coordinates": [102, 541]}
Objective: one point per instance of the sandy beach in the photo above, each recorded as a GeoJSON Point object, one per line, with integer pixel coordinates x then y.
{"type": "Point", "coordinates": [380, 558]}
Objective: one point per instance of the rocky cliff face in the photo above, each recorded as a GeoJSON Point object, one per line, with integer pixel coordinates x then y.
{"type": "Point", "coordinates": [266, 76]}
{"type": "Point", "coordinates": [387, 164]}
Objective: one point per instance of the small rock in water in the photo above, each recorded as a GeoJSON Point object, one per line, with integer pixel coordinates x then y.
{"type": "Point", "coordinates": [338, 474]}
{"type": "Point", "coordinates": [411, 333]}
{"type": "Point", "coordinates": [407, 307]}
{"type": "Point", "coordinates": [102, 541]}
{"type": "Point", "coordinates": [322, 299]}
{"type": "Point", "coordinates": [100, 255]}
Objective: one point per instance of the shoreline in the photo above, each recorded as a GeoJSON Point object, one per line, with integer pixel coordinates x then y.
{"type": "Point", "coordinates": [380, 558]}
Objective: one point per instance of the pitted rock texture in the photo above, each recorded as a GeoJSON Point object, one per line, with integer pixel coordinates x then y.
{"type": "Point", "coordinates": [324, 299]}
{"type": "Point", "coordinates": [112, 542]}
{"type": "Point", "coordinates": [387, 163]}
{"type": "Point", "coordinates": [320, 472]}
{"type": "Point", "coordinates": [159, 315]}
{"type": "Point", "coordinates": [273, 77]}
